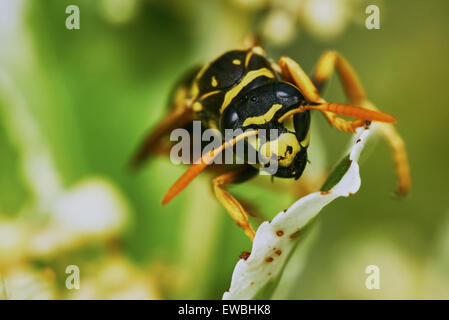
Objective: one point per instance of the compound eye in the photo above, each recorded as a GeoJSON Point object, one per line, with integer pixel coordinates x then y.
{"type": "Point", "coordinates": [229, 118]}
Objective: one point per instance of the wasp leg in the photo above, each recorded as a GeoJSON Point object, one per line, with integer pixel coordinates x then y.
{"type": "Point", "coordinates": [292, 72]}
{"type": "Point", "coordinates": [399, 151]}
{"type": "Point", "coordinates": [330, 61]}
{"type": "Point", "coordinates": [352, 86]}
{"type": "Point", "coordinates": [231, 204]}
{"type": "Point", "coordinates": [178, 117]}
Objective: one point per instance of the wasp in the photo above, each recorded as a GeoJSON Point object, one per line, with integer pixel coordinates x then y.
{"type": "Point", "coordinates": [244, 89]}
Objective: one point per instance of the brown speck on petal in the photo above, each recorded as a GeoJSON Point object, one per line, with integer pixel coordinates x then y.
{"type": "Point", "coordinates": [278, 252]}
{"type": "Point", "coordinates": [269, 259]}
{"type": "Point", "coordinates": [358, 140]}
{"type": "Point", "coordinates": [293, 235]}
{"type": "Point", "coordinates": [251, 284]}
{"type": "Point", "coordinates": [323, 193]}
{"type": "Point", "coordinates": [280, 233]}
{"type": "Point", "coordinates": [244, 255]}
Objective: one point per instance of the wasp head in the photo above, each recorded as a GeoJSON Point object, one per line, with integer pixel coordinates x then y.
{"type": "Point", "coordinates": [283, 143]}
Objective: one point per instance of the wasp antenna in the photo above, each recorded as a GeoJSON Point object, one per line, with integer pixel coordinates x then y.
{"type": "Point", "coordinates": [193, 171]}
{"type": "Point", "coordinates": [355, 112]}
{"type": "Point", "coordinates": [201, 164]}
{"type": "Point", "coordinates": [344, 110]}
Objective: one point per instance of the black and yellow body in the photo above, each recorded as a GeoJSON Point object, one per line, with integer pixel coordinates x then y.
{"type": "Point", "coordinates": [241, 89]}
{"type": "Point", "coordinates": [244, 90]}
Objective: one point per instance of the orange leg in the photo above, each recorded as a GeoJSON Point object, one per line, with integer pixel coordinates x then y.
{"type": "Point", "coordinates": [328, 62]}
{"type": "Point", "coordinates": [292, 72]}
{"type": "Point", "coordinates": [231, 204]}
{"type": "Point", "coordinates": [397, 146]}
{"type": "Point", "coordinates": [355, 92]}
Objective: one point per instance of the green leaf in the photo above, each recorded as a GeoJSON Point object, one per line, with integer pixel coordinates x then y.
{"type": "Point", "coordinates": [337, 174]}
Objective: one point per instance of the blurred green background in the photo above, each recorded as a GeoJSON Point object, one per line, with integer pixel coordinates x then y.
{"type": "Point", "coordinates": [75, 103]}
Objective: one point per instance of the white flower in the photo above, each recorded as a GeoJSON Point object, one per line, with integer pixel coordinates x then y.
{"type": "Point", "coordinates": [258, 275]}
